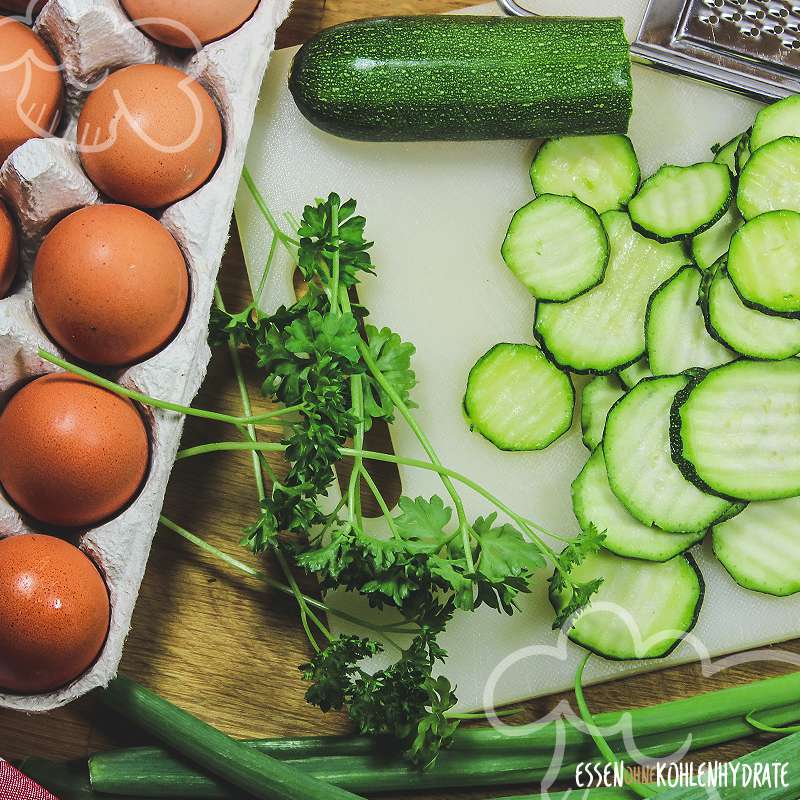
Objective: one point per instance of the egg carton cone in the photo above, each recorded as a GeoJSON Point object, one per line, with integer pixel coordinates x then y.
{"type": "Point", "coordinates": [42, 181]}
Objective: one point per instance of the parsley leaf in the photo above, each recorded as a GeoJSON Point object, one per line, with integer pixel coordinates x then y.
{"type": "Point", "coordinates": [505, 552]}
{"type": "Point", "coordinates": [318, 244]}
{"type": "Point", "coordinates": [393, 357]}
{"type": "Point", "coordinates": [576, 597]}
{"type": "Point", "coordinates": [421, 523]}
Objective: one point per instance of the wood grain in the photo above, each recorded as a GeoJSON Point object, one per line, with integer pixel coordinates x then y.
{"type": "Point", "coordinates": [221, 645]}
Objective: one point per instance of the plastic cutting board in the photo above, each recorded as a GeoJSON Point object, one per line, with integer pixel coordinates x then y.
{"type": "Point", "coordinates": [438, 213]}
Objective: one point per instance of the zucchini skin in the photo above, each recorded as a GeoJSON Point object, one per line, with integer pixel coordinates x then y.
{"type": "Point", "coordinates": [465, 78]}
{"type": "Point", "coordinates": [676, 440]}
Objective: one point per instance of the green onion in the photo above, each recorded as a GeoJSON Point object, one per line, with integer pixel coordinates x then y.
{"type": "Point", "coordinates": [783, 751]}
{"type": "Point", "coordinates": [261, 775]}
{"type": "Point", "coordinates": [737, 701]}
{"type": "Point", "coordinates": [151, 772]}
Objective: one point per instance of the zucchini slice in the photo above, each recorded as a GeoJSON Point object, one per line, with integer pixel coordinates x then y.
{"type": "Point", "coordinates": [764, 262]}
{"type": "Point", "coordinates": [595, 504]}
{"type": "Point", "coordinates": [743, 151]}
{"type": "Point", "coordinates": [679, 202]}
{"type": "Point", "coordinates": [736, 431]}
{"type": "Point", "coordinates": [769, 180]}
{"type": "Point", "coordinates": [557, 247]}
{"type": "Point", "coordinates": [517, 399]}
{"type": "Point", "coordinates": [603, 330]}
{"type": "Point", "coordinates": [642, 609]}
{"type": "Point", "coordinates": [760, 547]}
{"type": "Point", "coordinates": [601, 171]}
{"type": "Point", "coordinates": [743, 329]}
{"type": "Point", "coordinates": [641, 473]}
{"type": "Point", "coordinates": [776, 121]}
{"type": "Point", "coordinates": [708, 246]}
{"type": "Point", "coordinates": [596, 400]}
{"type": "Point", "coordinates": [675, 327]}
{"type": "Point", "coordinates": [631, 375]}
{"type": "Point", "coordinates": [726, 153]}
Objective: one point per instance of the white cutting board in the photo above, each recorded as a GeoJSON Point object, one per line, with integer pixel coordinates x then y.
{"type": "Point", "coordinates": [438, 213]}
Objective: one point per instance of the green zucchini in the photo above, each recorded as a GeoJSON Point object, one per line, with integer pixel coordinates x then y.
{"type": "Point", "coordinates": [736, 430]}
{"type": "Point", "coordinates": [465, 77]}
{"type": "Point", "coordinates": [643, 609]}
{"type": "Point", "coordinates": [596, 505]}
{"type": "Point", "coordinates": [596, 400]}
{"type": "Point", "coordinates": [760, 547]}
{"type": "Point", "coordinates": [601, 171]}
{"type": "Point", "coordinates": [517, 399]}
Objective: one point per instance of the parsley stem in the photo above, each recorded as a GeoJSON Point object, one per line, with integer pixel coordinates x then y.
{"type": "Point", "coordinates": [374, 455]}
{"type": "Point", "coordinates": [336, 260]}
{"type": "Point", "coordinates": [357, 400]}
{"type": "Point", "coordinates": [380, 500]}
{"type": "Point", "coordinates": [164, 404]}
{"type": "Point", "coordinates": [267, 269]}
{"type": "Point", "coordinates": [246, 569]}
{"type": "Point", "coordinates": [366, 356]}
{"type": "Point", "coordinates": [250, 432]}
{"type": "Point", "coordinates": [264, 209]}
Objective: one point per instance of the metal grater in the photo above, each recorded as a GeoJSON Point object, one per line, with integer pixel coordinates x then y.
{"type": "Point", "coordinates": [749, 46]}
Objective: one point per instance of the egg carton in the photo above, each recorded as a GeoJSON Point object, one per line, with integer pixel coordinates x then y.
{"type": "Point", "coordinates": [42, 181]}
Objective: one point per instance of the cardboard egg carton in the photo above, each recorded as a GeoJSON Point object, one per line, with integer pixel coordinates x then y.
{"type": "Point", "coordinates": [42, 182]}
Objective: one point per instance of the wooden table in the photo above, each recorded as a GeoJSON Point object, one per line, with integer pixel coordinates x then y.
{"type": "Point", "coordinates": [221, 645]}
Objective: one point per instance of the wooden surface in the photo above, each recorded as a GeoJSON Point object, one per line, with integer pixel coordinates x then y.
{"type": "Point", "coordinates": [221, 645]}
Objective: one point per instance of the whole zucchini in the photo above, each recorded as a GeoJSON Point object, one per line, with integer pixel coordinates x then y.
{"type": "Point", "coordinates": [465, 77]}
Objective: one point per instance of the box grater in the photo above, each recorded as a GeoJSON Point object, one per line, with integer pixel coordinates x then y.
{"type": "Point", "coordinates": [749, 46]}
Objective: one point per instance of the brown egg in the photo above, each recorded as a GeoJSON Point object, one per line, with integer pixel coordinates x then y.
{"type": "Point", "coordinates": [149, 135]}
{"type": "Point", "coordinates": [110, 285]}
{"type": "Point", "coordinates": [55, 613]}
{"type": "Point", "coordinates": [73, 454]}
{"type": "Point", "coordinates": [9, 250]}
{"type": "Point", "coordinates": [179, 23]}
{"type": "Point", "coordinates": [30, 87]}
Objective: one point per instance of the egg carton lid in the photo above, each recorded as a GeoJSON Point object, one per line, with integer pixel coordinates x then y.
{"type": "Point", "coordinates": [42, 181]}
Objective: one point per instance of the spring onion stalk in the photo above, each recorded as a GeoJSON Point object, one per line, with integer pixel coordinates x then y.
{"type": "Point", "coordinates": [363, 765]}
{"type": "Point", "coordinates": [783, 751]}
{"type": "Point", "coordinates": [247, 769]}
{"type": "Point", "coordinates": [65, 781]}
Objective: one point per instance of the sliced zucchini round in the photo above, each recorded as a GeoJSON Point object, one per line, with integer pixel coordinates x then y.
{"type": "Point", "coordinates": [642, 609]}
{"type": "Point", "coordinates": [641, 473]}
{"type": "Point", "coordinates": [675, 328]}
{"type": "Point", "coordinates": [736, 431]}
{"type": "Point", "coordinates": [679, 202]}
{"type": "Point", "coordinates": [596, 399]}
{"type": "Point", "coordinates": [708, 246]}
{"type": "Point", "coordinates": [595, 504]}
{"type": "Point", "coordinates": [760, 547]}
{"type": "Point", "coordinates": [764, 262]}
{"type": "Point", "coordinates": [769, 179]}
{"type": "Point", "coordinates": [603, 329]}
{"type": "Point", "coordinates": [776, 121]}
{"type": "Point", "coordinates": [517, 399]}
{"type": "Point", "coordinates": [743, 151]}
{"type": "Point", "coordinates": [726, 153]}
{"type": "Point", "coordinates": [743, 329]}
{"type": "Point", "coordinates": [557, 247]}
{"type": "Point", "coordinates": [631, 375]}
{"type": "Point", "coordinates": [601, 171]}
